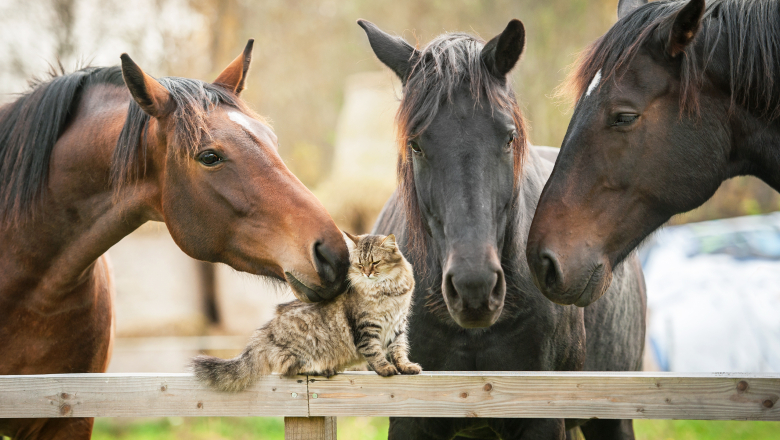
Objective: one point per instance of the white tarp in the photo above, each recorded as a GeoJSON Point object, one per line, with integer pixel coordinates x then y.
{"type": "Point", "coordinates": [714, 295]}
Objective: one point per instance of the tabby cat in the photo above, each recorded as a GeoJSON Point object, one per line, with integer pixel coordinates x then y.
{"type": "Point", "coordinates": [367, 322]}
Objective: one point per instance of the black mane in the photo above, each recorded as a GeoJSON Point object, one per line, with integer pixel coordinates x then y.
{"type": "Point", "coordinates": [29, 128]}
{"type": "Point", "coordinates": [749, 29]}
{"type": "Point", "coordinates": [31, 125]}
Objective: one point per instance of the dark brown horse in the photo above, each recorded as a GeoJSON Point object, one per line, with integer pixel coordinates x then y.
{"type": "Point", "coordinates": [677, 97]}
{"type": "Point", "coordinates": [87, 158]}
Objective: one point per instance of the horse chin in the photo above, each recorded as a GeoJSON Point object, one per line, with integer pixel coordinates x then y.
{"type": "Point", "coordinates": [476, 318]}
{"type": "Point", "coordinates": [596, 288]}
{"type": "Point", "coordinates": [580, 296]}
{"type": "Point", "coordinates": [302, 291]}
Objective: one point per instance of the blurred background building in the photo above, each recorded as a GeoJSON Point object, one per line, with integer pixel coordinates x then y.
{"type": "Point", "coordinates": [332, 105]}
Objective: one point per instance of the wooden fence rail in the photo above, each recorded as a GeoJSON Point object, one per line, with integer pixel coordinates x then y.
{"type": "Point", "coordinates": [615, 395]}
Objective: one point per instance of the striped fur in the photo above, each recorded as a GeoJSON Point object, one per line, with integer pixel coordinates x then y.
{"type": "Point", "coordinates": [365, 324]}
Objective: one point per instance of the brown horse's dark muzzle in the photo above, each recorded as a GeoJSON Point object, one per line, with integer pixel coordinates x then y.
{"type": "Point", "coordinates": [474, 288]}
{"type": "Point", "coordinates": [587, 278]}
{"type": "Point", "coordinates": [331, 263]}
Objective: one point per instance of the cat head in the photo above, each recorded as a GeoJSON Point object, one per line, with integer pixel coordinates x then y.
{"type": "Point", "coordinates": [375, 257]}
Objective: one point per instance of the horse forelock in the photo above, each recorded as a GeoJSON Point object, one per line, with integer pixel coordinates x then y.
{"type": "Point", "coordinates": [443, 67]}
{"type": "Point", "coordinates": [194, 100]}
{"type": "Point", "coordinates": [749, 28]}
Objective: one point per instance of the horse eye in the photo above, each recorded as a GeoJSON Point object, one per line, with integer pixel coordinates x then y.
{"type": "Point", "coordinates": [415, 147]}
{"type": "Point", "coordinates": [209, 158]}
{"type": "Point", "coordinates": [511, 140]}
{"type": "Point", "coordinates": [624, 119]}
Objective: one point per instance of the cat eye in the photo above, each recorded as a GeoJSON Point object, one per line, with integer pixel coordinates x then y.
{"type": "Point", "coordinates": [415, 147]}
{"type": "Point", "coordinates": [209, 158]}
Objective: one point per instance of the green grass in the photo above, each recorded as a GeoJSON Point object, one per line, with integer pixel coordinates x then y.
{"type": "Point", "coordinates": [705, 430]}
{"type": "Point", "coordinates": [233, 428]}
{"type": "Point", "coordinates": [375, 428]}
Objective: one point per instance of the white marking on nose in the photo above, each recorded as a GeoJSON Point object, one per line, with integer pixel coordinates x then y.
{"type": "Point", "coordinates": [594, 83]}
{"type": "Point", "coordinates": [241, 120]}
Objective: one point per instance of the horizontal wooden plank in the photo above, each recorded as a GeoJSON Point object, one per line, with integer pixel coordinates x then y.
{"type": "Point", "coordinates": [431, 394]}
{"type": "Point", "coordinates": [145, 395]}
{"type": "Point", "coordinates": [549, 394]}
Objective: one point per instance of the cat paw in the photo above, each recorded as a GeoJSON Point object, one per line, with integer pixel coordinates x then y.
{"type": "Point", "coordinates": [327, 373]}
{"type": "Point", "coordinates": [324, 373]}
{"type": "Point", "coordinates": [386, 370]}
{"type": "Point", "coordinates": [410, 368]}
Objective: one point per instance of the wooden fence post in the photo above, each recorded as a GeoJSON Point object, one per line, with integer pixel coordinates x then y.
{"type": "Point", "coordinates": [310, 428]}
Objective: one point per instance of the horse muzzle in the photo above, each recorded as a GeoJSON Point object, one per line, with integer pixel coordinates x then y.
{"type": "Point", "coordinates": [568, 279]}
{"type": "Point", "coordinates": [474, 288]}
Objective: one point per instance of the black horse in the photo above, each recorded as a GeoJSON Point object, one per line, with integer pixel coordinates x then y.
{"type": "Point", "coordinates": [675, 98]}
{"type": "Point", "coordinates": [468, 190]}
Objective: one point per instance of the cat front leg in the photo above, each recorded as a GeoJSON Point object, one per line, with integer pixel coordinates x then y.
{"type": "Point", "coordinates": [399, 354]}
{"type": "Point", "coordinates": [372, 350]}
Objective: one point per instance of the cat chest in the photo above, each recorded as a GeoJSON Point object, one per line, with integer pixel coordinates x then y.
{"type": "Point", "coordinates": [392, 323]}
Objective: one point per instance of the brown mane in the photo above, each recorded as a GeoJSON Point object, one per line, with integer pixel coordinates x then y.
{"type": "Point", "coordinates": [445, 64]}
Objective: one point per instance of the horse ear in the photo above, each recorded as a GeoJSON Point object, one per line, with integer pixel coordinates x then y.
{"type": "Point", "coordinates": [234, 75]}
{"type": "Point", "coordinates": [502, 52]}
{"type": "Point", "coordinates": [394, 52]}
{"type": "Point", "coordinates": [153, 98]}
{"type": "Point", "coordinates": [686, 25]}
{"type": "Point", "coordinates": [626, 7]}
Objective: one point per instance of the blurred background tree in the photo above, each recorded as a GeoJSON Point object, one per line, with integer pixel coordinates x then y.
{"type": "Point", "coordinates": [304, 51]}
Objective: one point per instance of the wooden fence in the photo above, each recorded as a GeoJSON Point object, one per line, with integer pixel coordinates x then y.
{"type": "Point", "coordinates": [311, 403]}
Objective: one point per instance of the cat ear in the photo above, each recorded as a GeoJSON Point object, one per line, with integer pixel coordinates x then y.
{"type": "Point", "coordinates": [351, 237]}
{"type": "Point", "coordinates": [389, 241]}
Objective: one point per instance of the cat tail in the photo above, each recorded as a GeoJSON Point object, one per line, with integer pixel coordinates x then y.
{"type": "Point", "coordinates": [232, 375]}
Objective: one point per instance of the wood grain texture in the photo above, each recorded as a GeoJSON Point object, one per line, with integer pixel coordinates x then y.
{"type": "Point", "coordinates": [431, 394]}
{"type": "Point", "coordinates": [309, 428]}
{"type": "Point", "coordinates": [549, 394]}
{"type": "Point", "coordinates": [144, 395]}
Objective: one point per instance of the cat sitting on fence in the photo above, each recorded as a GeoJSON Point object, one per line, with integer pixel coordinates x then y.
{"type": "Point", "coordinates": [365, 323]}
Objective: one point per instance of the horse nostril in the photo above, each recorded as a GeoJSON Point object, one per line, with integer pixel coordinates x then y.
{"type": "Point", "coordinates": [551, 270]}
{"type": "Point", "coordinates": [325, 261]}
{"type": "Point", "coordinates": [451, 294]}
{"type": "Point", "coordinates": [496, 300]}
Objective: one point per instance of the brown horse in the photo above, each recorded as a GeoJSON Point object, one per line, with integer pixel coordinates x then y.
{"type": "Point", "coordinates": [87, 158]}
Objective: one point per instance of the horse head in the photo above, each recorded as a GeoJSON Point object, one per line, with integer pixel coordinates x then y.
{"type": "Point", "coordinates": [461, 144]}
{"type": "Point", "coordinates": [224, 192]}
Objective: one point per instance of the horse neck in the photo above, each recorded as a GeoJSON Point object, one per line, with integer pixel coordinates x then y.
{"type": "Point", "coordinates": [78, 219]}
{"type": "Point", "coordinates": [756, 148]}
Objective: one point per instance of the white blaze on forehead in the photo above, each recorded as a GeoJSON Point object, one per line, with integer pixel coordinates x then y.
{"type": "Point", "coordinates": [594, 83]}
{"type": "Point", "coordinates": [241, 120]}
{"type": "Point", "coordinates": [244, 121]}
